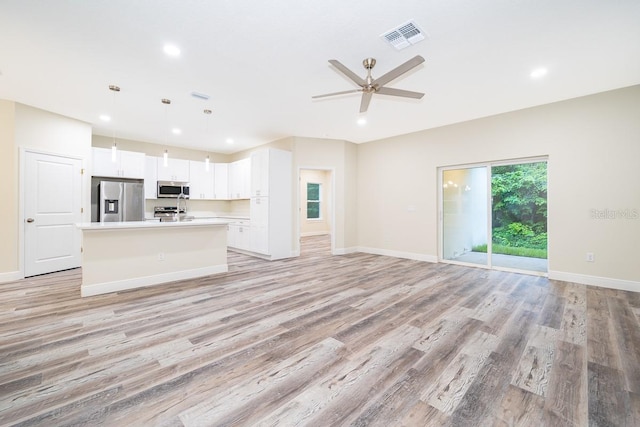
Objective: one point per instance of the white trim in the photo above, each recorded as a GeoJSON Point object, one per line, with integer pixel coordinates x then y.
{"type": "Point", "coordinates": [488, 165]}
{"type": "Point", "coordinates": [332, 204]}
{"type": "Point", "coordinates": [345, 251]}
{"type": "Point", "coordinates": [122, 285]}
{"type": "Point", "coordinates": [398, 254]}
{"type": "Point", "coordinates": [314, 233]}
{"type": "Point", "coordinates": [10, 276]}
{"type": "Point", "coordinates": [22, 156]}
{"type": "Point", "coordinates": [603, 282]}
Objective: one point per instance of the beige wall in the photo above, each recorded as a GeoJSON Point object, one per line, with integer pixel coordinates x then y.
{"type": "Point", "coordinates": [45, 132]}
{"type": "Point", "coordinates": [158, 150]}
{"type": "Point", "coordinates": [341, 158]}
{"type": "Point", "coordinates": [28, 128]}
{"type": "Point", "coordinates": [313, 227]}
{"type": "Point", "coordinates": [593, 147]}
{"type": "Point", "coordinates": [9, 262]}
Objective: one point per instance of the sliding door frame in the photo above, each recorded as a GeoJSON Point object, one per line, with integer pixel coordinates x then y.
{"type": "Point", "coordinates": [488, 165]}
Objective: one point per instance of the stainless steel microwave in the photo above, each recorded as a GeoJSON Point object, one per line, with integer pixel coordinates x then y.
{"type": "Point", "coordinates": [171, 190]}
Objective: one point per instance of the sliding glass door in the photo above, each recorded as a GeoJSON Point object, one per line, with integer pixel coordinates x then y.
{"type": "Point", "coordinates": [465, 216]}
{"type": "Point", "coordinates": [495, 215]}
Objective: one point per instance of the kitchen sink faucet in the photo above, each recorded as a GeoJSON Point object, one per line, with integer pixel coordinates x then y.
{"type": "Point", "coordinates": [180, 196]}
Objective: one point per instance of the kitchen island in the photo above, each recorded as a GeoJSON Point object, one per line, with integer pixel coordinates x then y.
{"type": "Point", "coordinates": [117, 256]}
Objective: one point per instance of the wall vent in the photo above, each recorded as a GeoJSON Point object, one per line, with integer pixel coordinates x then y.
{"type": "Point", "coordinates": [404, 36]}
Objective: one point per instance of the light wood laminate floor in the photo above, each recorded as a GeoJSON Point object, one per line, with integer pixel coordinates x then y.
{"type": "Point", "coordinates": [321, 340]}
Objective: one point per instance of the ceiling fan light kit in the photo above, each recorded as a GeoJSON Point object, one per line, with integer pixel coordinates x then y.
{"type": "Point", "coordinates": [369, 85]}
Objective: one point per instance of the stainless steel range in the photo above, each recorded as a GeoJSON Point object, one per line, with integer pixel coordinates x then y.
{"type": "Point", "coordinates": [167, 213]}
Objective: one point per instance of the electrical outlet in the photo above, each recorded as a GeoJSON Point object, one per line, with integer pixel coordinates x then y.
{"type": "Point", "coordinates": [160, 256]}
{"type": "Point", "coordinates": [590, 257]}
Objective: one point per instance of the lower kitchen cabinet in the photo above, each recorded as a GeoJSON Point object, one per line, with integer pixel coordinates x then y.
{"type": "Point", "coordinates": [268, 233]}
{"type": "Point", "coordinates": [239, 235]}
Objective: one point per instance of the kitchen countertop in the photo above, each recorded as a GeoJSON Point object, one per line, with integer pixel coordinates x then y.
{"type": "Point", "coordinates": [197, 222]}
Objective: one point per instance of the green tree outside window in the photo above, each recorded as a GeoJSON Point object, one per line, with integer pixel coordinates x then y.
{"type": "Point", "coordinates": [313, 201]}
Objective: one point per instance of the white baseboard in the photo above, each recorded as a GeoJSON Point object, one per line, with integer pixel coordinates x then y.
{"type": "Point", "coordinates": [604, 282]}
{"type": "Point", "coordinates": [314, 233]}
{"type": "Point", "coordinates": [345, 251]}
{"type": "Point", "coordinates": [10, 276]}
{"type": "Point", "coordinates": [138, 282]}
{"type": "Point", "coordinates": [398, 254]}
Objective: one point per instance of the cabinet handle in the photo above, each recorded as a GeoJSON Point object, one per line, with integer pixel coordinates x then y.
{"type": "Point", "coordinates": [30, 220]}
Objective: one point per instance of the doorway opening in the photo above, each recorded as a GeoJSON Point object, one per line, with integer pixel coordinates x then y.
{"type": "Point", "coordinates": [495, 215]}
{"type": "Point", "coordinates": [316, 211]}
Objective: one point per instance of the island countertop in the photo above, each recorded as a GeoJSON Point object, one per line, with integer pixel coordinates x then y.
{"type": "Point", "coordinates": [151, 224]}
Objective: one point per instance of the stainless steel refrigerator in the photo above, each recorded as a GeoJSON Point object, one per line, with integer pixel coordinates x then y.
{"type": "Point", "coordinates": [120, 201]}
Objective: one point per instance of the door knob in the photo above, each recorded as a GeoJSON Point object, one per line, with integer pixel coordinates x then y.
{"type": "Point", "coordinates": [30, 220]}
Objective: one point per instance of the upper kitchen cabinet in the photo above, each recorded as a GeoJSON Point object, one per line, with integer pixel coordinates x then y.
{"type": "Point", "coordinates": [240, 179]}
{"type": "Point", "coordinates": [201, 181]}
{"type": "Point", "coordinates": [176, 170]}
{"type": "Point", "coordinates": [260, 173]}
{"type": "Point", "coordinates": [127, 164]}
{"type": "Point", "coordinates": [151, 177]}
{"type": "Point", "coordinates": [220, 181]}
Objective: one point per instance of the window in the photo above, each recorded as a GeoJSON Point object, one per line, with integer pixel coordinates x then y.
{"type": "Point", "coordinates": [313, 200]}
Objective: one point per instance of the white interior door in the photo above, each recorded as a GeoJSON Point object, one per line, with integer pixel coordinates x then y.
{"type": "Point", "coordinates": [52, 201]}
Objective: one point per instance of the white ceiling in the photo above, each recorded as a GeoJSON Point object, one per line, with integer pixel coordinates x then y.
{"type": "Point", "coordinates": [261, 61]}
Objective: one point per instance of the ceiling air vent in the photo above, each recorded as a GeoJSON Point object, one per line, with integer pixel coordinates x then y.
{"type": "Point", "coordinates": [200, 95]}
{"type": "Point", "coordinates": [404, 36]}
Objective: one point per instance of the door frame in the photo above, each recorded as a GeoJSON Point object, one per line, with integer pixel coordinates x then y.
{"type": "Point", "coordinates": [488, 165]}
{"type": "Point", "coordinates": [332, 207]}
{"type": "Point", "coordinates": [21, 195]}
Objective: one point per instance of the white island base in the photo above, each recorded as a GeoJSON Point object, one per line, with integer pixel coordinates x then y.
{"type": "Point", "coordinates": [128, 255]}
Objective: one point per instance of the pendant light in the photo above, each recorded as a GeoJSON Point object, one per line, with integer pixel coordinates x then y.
{"type": "Point", "coordinates": [206, 161]}
{"type": "Point", "coordinates": [165, 156]}
{"type": "Point", "coordinates": [114, 149]}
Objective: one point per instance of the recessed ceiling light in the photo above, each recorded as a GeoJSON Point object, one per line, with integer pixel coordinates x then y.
{"type": "Point", "coordinates": [171, 50]}
{"type": "Point", "coordinates": [538, 73]}
{"type": "Point", "coordinates": [176, 131]}
{"type": "Point", "coordinates": [105, 118]}
{"type": "Point", "coordinates": [229, 141]}
{"type": "Point", "coordinates": [362, 121]}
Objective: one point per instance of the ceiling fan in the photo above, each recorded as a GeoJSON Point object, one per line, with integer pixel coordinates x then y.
{"type": "Point", "coordinates": [369, 85]}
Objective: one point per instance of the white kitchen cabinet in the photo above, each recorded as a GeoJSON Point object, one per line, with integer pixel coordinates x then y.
{"type": "Point", "coordinates": [240, 179]}
{"type": "Point", "coordinates": [151, 177]}
{"type": "Point", "coordinates": [221, 181]}
{"type": "Point", "coordinates": [127, 164]}
{"type": "Point", "coordinates": [239, 235]}
{"type": "Point", "coordinates": [259, 212]}
{"type": "Point", "coordinates": [260, 240]}
{"type": "Point", "coordinates": [177, 170]}
{"type": "Point", "coordinates": [271, 217]}
{"type": "Point", "coordinates": [260, 173]}
{"type": "Point", "coordinates": [201, 181]}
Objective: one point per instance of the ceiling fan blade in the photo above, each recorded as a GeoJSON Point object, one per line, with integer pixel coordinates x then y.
{"type": "Point", "coordinates": [398, 71]}
{"type": "Point", "coordinates": [400, 92]}
{"type": "Point", "coordinates": [337, 93]}
{"type": "Point", "coordinates": [366, 99]}
{"type": "Point", "coordinates": [347, 72]}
